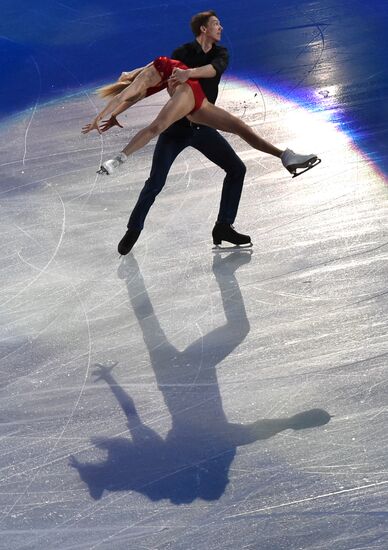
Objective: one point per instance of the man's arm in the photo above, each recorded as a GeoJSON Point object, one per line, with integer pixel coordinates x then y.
{"type": "Point", "coordinates": [181, 75]}
{"type": "Point", "coordinates": [215, 68]}
{"type": "Point", "coordinates": [221, 61]}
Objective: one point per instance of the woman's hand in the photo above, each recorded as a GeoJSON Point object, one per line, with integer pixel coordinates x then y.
{"type": "Point", "coordinates": [92, 126]}
{"type": "Point", "coordinates": [109, 123]}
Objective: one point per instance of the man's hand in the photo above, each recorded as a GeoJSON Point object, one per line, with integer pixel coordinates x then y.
{"type": "Point", "coordinates": [179, 76]}
{"type": "Point", "coordinates": [109, 123]}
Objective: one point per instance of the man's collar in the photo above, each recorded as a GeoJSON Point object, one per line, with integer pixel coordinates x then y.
{"type": "Point", "coordinates": [198, 47]}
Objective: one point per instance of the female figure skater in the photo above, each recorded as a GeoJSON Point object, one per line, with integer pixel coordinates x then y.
{"type": "Point", "coordinates": [187, 99]}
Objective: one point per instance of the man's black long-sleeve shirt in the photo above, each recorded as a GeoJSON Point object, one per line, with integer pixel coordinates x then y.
{"type": "Point", "coordinates": [192, 55]}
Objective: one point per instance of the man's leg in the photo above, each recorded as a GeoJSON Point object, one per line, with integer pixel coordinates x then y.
{"type": "Point", "coordinates": [166, 150]}
{"type": "Point", "coordinates": [211, 144]}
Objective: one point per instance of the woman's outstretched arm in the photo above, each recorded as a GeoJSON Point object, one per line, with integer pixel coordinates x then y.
{"type": "Point", "coordinates": [112, 121]}
{"type": "Point", "coordinates": [120, 103]}
{"type": "Point", "coordinates": [131, 94]}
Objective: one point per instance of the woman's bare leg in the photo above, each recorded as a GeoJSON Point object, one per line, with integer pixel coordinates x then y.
{"type": "Point", "coordinates": [218, 118]}
{"type": "Point", "coordinates": [181, 103]}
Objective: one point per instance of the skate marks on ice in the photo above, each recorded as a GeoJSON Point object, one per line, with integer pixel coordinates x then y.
{"type": "Point", "coordinates": [319, 249]}
{"type": "Point", "coordinates": [194, 459]}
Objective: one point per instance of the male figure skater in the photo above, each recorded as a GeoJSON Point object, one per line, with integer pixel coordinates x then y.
{"type": "Point", "coordinates": [208, 61]}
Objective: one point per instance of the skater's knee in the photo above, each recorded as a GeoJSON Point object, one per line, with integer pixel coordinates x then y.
{"type": "Point", "coordinates": [152, 187]}
{"type": "Point", "coordinates": [237, 169]}
{"type": "Point", "coordinates": [242, 168]}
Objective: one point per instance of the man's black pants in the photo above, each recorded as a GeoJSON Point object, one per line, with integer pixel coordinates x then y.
{"type": "Point", "coordinates": [211, 144]}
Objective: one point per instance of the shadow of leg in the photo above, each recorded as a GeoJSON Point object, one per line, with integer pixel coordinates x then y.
{"type": "Point", "coordinates": [264, 429]}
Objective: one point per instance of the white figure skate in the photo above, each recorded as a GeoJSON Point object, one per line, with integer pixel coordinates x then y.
{"type": "Point", "coordinates": [294, 162]}
{"type": "Point", "coordinates": [109, 166]}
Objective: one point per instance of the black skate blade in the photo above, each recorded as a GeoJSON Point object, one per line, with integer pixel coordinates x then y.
{"type": "Point", "coordinates": [103, 170]}
{"type": "Point", "coordinates": [221, 248]}
{"type": "Point", "coordinates": [314, 163]}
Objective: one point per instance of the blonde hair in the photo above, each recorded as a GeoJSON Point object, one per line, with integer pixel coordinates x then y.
{"type": "Point", "coordinates": [111, 90]}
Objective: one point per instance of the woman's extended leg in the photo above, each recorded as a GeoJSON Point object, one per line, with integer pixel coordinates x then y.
{"type": "Point", "coordinates": [218, 118]}
{"type": "Point", "coordinates": [181, 104]}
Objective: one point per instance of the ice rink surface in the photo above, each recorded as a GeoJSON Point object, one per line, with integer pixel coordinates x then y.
{"type": "Point", "coordinates": [186, 397]}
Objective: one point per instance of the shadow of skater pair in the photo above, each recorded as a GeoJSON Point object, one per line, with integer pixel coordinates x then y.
{"type": "Point", "coordinates": [193, 460]}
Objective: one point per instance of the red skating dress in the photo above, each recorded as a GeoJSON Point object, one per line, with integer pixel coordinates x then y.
{"type": "Point", "coordinates": [165, 66]}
